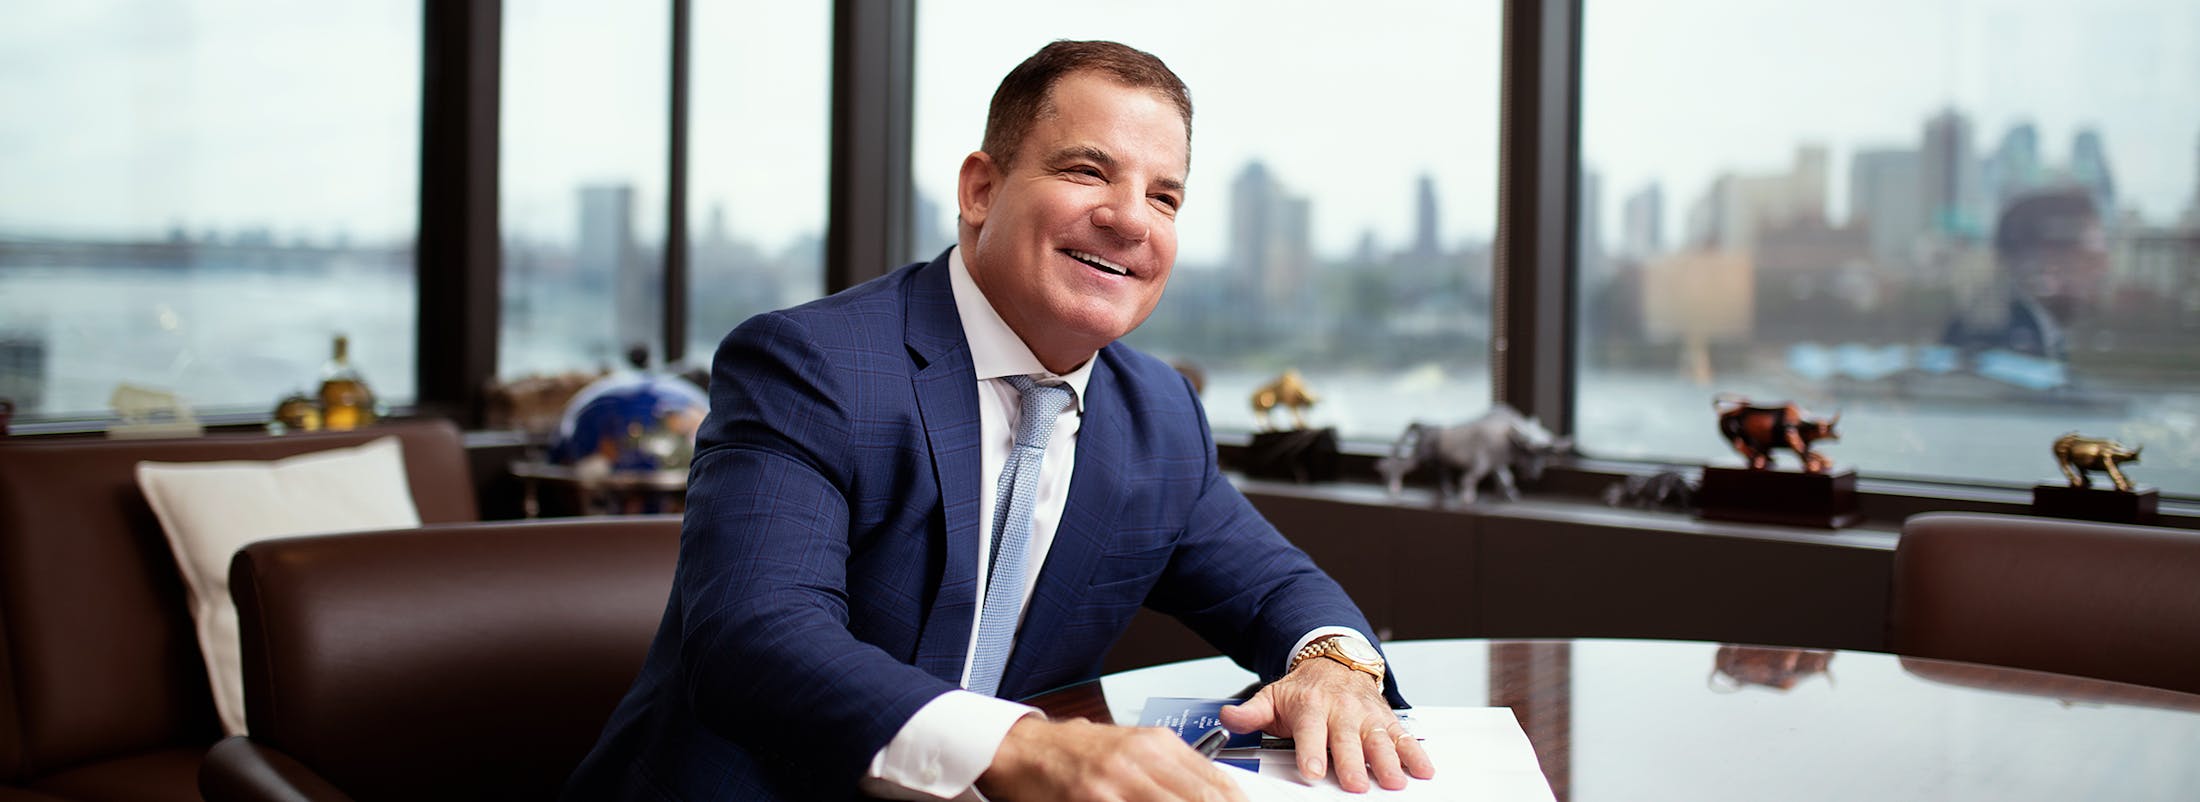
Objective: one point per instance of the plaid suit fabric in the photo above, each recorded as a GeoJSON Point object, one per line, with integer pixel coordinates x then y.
{"type": "Point", "coordinates": [827, 575]}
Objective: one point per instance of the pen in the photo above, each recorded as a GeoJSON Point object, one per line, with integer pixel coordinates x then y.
{"type": "Point", "coordinates": [1210, 744]}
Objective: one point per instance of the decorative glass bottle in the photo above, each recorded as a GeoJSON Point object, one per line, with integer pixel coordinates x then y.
{"type": "Point", "coordinates": [346, 403]}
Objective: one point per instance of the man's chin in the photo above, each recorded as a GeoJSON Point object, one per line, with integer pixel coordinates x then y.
{"type": "Point", "coordinates": [1093, 335]}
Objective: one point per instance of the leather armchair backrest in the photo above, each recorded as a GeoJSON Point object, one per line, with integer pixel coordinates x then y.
{"type": "Point", "coordinates": [467, 662]}
{"type": "Point", "coordinates": [97, 653]}
{"type": "Point", "coordinates": [2095, 600]}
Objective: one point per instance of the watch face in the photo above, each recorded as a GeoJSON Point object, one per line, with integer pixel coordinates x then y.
{"type": "Point", "coordinates": [1358, 651]}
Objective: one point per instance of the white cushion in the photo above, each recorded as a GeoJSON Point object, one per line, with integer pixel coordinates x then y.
{"type": "Point", "coordinates": [212, 509]}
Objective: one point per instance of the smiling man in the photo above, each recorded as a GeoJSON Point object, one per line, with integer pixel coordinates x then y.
{"type": "Point", "coordinates": [950, 487]}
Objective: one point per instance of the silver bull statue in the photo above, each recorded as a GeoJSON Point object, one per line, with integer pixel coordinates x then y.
{"type": "Point", "coordinates": [1499, 444]}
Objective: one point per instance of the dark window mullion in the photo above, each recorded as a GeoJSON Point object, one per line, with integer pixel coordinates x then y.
{"type": "Point", "coordinates": [459, 258]}
{"type": "Point", "coordinates": [676, 195]}
{"type": "Point", "coordinates": [1531, 352]}
{"type": "Point", "coordinates": [874, 61]}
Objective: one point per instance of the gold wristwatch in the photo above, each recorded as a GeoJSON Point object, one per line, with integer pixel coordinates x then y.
{"type": "Point", "coordinates": [1352, 652]}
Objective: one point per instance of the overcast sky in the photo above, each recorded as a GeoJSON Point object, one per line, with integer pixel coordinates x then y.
{"type": "Point", "coordinates": [1676, 91]}
{"type": "Point", "coordinates": [132, 117]}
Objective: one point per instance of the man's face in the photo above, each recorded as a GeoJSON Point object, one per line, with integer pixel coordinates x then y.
{"type": "Point", "coordinates": [2069, 276]}
{"type": "Point", "coordinates": [1073, 243]}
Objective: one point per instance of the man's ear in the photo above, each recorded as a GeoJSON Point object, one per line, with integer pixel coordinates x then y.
{"type": "Point", "coordinates": [975, 186]}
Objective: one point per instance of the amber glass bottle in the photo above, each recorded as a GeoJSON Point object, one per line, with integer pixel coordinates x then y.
{"type": "Point", "coordinates": [346, 403]}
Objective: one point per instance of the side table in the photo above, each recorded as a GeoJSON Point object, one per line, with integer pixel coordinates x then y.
{"type": "Point", "coordinates": [601, 492]}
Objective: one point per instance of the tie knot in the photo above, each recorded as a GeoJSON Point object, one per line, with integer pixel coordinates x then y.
{"type": "Point", "coordinates": [1042, 403]}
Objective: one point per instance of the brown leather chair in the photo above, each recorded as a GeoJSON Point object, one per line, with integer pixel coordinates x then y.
{"type": "Point", "coordinates": [465, 662]}
{"type": "Point", "coordinates": [103, 694]}
{"type": "Point", "coordinates": [2096, 600]}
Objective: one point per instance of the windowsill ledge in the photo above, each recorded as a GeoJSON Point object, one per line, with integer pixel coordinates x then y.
{"type": "Point", "coordinates": [1572, 487]}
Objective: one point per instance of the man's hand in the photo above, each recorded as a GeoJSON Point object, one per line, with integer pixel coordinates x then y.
{"type": "Point", "coordinates": [1335, 714]}
{"type": "Point", "coordinates": [1080, 760]}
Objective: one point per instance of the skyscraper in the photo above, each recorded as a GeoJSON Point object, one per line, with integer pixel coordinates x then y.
{"type": "Point", "coordinates": [1884, 200]}
{"type": "Point", "coordinates": [2090, 168]}
{"type": "Point", "coordinates": [607, 253]}
{"type": "Point", "coordinates": [2192, 212]}
{"type": "Point", "coordinates": [1738, 207]}
{"type": "Point", "coordinates": [1270, 244]}
{"type": "Point", "coordinates": [932, 227]}
{"type": "Point", "coordinates": [717, 236]}
{"type": "Point", "coordinates": [1427, 243]}
{"type": "Point", "coordinates": [1589, 226]}
{"type": "Point", "coordinates": [1642, 223]}
{"type": "Point", "coordinates": [1948, 185]}
{"type": "Point", "coordinates": [2014, 166]}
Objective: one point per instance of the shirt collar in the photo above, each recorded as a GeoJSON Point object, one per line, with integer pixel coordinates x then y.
{"type": "Point", "coordinates": [995, 350]}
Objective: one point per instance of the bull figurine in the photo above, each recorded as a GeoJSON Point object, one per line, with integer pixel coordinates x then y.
{"type": "Point", "coordinates": [2078, 455]}
{"type": "Point", "coordinates": [1755, 430]}
{"type": "Point", "coordinates": [1287, 391]}
{"type": "Point", "coordinates": [1498, 444]}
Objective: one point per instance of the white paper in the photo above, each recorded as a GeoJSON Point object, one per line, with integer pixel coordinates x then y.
{"type": "Point", "coordinates": [1480, 754]}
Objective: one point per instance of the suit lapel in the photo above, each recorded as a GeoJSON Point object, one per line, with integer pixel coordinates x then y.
{"type": "Point", "coordinates": [946, 388]}
{"type": "Point", "coordinates": [1095, 493]}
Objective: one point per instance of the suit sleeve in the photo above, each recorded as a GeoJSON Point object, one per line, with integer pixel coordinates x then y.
{"type": "Point", "coordinates": [1237, 582]}
{"type": "Point", "coordinates": [762, 584]}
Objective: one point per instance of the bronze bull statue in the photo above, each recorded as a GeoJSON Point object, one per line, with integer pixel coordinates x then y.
{"type": "Point", "coordinates": [2078, 455]}
{"type": "Point", "coordinates": [1755, 430]}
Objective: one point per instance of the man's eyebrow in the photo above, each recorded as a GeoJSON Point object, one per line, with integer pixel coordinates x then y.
{"type": "Point", "coordinates": [1085, 152]}
{"type": "Point", "coordinates": [1101, 157]}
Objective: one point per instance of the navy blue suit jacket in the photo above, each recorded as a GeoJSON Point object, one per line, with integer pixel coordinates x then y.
{"type": "Point", "coordinates": [827, 572]}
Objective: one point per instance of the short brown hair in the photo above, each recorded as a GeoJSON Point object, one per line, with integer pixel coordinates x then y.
{"type": "Point", "coordinates": [2044, 220]}
{"type": "Point", "coordinates": [1025, 95]}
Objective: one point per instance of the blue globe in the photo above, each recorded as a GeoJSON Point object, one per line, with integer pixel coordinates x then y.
{"type": "Point", "coordinates": [633, 421]}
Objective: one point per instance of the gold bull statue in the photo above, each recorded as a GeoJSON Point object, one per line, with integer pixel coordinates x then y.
{"type": "Point", "coordinates": [1288, 391]}
{"type": "Point", "coordinates": [2078, 455]}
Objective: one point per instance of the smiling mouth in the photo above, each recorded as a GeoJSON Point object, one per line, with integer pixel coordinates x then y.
{"type": "Point", "coordinates": [1097, 263]}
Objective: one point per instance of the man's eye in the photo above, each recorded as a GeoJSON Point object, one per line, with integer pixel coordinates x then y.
{"type": "Point", "coordinates": [1168, 201]}
{"type": "Point", "coordinates": [1086, 171]}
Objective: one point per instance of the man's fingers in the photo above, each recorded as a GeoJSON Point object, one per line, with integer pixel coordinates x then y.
{"type": "Point", "coordinates": [1183, 774]}
{"type": "Point", "coordinates": [1223, 789]}
{"type": "Point", "coordinates": [1349, 758]}
{"type": "Point", "coordinates": [1311, 734]}
{"type": "Point", "coordinates": [1415, 758]}
{"type": "Point", "coordinates": [1381, 745]}
{"type": "Point", "coordinates": [1256, 714]}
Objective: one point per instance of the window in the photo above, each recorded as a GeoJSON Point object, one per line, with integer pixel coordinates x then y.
{"type": "Point", "coordinates": [584, 125]}
{"type": "Point", "coordinates": [1341, 199]}
{"type": "Point", "coordinates": [1977, 236]}
{"type": "Point", "coordinates": [761, 124]}
{"type": "Point", "coordinates": [200, 195]}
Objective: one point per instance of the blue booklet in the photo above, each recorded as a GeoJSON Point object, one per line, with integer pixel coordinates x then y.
{"type": "Point", "coordinates": [1190, 718]}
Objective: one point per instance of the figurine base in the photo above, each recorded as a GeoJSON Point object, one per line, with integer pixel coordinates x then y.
{"type": "Point", "coordinates": [1298, 455]}
{"type": "Point", "coordinates": [2107, 504]}
{"type": "Point", "coordinates": [1822, 500]}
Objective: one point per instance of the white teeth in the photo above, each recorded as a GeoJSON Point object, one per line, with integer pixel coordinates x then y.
{"type": "Point", "coordinates": [1099, 262]}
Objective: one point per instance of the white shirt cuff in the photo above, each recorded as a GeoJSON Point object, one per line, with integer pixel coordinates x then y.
{"type": "Point", "coordinates": [1324, 632]}
{"type": "Point", "coordinates": [942, 750]}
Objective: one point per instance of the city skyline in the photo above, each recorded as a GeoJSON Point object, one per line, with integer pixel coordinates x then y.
{"type": "Point", "coordinates": [1883, 184]}
{"type": "Point", "coordinates": [2121, 67]}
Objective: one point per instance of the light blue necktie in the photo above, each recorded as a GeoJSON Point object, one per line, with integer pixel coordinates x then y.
{"type": "Point", "coordinates": [1014, 498]}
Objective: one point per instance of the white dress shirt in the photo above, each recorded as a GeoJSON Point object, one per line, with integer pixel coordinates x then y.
{"type": "Point", "coordinates": [950, 741]}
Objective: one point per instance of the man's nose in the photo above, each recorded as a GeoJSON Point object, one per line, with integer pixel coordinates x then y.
{"type": "Point", "coordinates": [1126, 214]}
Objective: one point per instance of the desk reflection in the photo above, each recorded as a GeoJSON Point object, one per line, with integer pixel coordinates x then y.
{"type": "Point", "coordinates": [1637, 720]}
